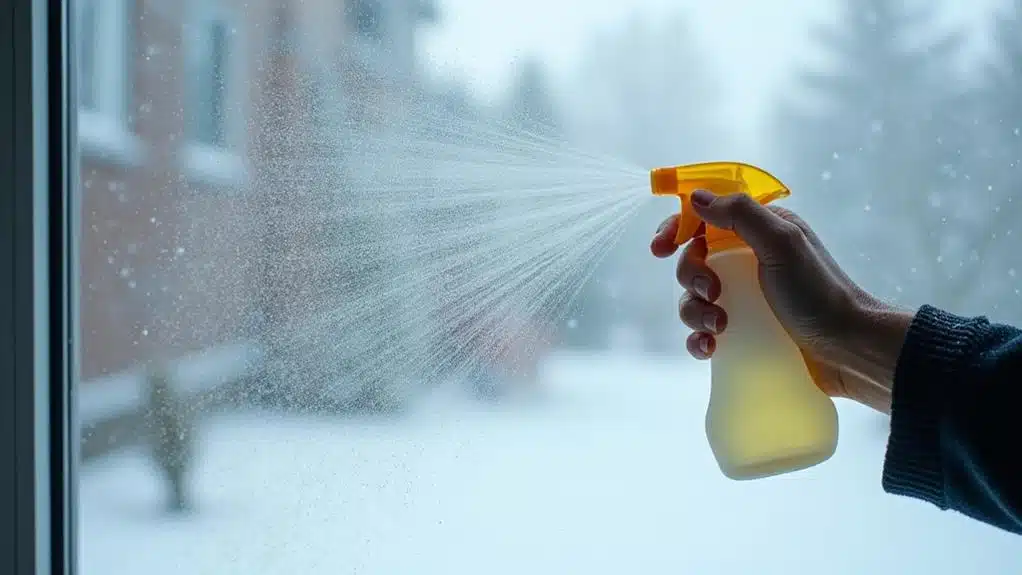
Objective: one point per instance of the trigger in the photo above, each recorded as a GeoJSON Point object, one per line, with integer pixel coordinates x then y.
{"type": "Point", "coordinates": [688, 222]}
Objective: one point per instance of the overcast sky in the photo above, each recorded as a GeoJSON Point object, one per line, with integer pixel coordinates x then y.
{"type": "Point", "coordinates": [479, 40]}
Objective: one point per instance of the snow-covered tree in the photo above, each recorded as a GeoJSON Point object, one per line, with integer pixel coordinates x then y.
{"type": "Point", "coordinates": [880, 150]}
{"type": "Point", "coordinates": [644, 94]}
{"type": "Point", "coordinates": [531, 103]}
{"type": "Point", "coordinates": [999, 166]}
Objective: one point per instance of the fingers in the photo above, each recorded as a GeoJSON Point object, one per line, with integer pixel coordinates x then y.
{"type": "Point", "coordinates": [693, 273]}
{"type": "Point", "coordinates": [701, 345]}
{"type": "Point", "coordinates": [663, 244]}
{"type": "Point", "coordinates": [706, 320]}
{"type": "Point", "coordinates": [701, 315]}
{"type": "Point", "coordinates": [761, 228]}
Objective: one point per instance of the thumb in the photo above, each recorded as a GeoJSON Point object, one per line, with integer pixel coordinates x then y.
{"type": "Point", "coordinates": [753, 222]}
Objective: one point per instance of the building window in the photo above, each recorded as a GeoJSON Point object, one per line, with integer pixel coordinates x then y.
{"type": "Point", "coordinates": [103, 78]}
{"type": "Point", "coordinates": [102, 57]}
{"type": "Point", "coordinates": [367, 18]}
{"type": "Point", "coordinates": [211, 82]}
{"type": "Point", "coordinates": [215, 95]}
{"type": "Point", "coordinates": [87, 84]}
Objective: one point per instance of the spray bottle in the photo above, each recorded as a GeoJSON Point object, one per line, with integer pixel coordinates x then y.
{"type": "Point", "coordinates": [766, 416]}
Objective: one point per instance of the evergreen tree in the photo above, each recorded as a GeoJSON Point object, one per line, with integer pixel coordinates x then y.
{"type": "Point", "coordinates": [876, 153]}
{"type": "Point", "coordinates": [1000, 166]}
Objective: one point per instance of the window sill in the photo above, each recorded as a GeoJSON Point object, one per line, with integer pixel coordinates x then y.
{"type": "Point", "coordinates": [211, 165]}
{"type": "Point", "coordinates": [111, 396]}
{"type": "Point", "coordinates": [104, 137]}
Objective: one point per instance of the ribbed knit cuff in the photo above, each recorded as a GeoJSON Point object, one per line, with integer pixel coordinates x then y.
{"type": "Point", "coordinates": [936, 350]}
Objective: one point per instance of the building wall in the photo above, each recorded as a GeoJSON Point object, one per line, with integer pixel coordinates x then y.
{"type": "Point", "coordinates": [178, 251]}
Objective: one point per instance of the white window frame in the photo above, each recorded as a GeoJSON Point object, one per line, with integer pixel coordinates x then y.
{"type": "Point", "coordinates": [104, 131]}
{"type": "Point", "coordinates": [204, 162]}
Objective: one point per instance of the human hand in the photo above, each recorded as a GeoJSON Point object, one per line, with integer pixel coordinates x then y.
{"type": "Point", "coordinates": [850, 340]}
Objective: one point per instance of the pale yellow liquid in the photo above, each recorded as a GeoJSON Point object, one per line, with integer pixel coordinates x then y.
{"type": "Point", "coordinates": [766, 415]}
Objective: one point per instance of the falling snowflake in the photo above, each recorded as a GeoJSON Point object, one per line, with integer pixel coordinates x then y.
{"type": "Point", "coordinates": [825, 176]}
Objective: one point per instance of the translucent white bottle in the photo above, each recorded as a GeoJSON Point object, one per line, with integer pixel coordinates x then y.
{"type": "Point", "coordinates": [766, 415]}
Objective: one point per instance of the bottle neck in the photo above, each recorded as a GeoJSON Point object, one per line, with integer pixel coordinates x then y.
{"type": "Point", "coordinates": [724, 243]}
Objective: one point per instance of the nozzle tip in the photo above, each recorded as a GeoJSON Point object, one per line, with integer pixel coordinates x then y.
{"type": "Point", "coordinates": [664, 181]}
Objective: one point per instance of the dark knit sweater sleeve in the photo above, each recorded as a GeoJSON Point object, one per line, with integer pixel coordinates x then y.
{"type": "Point", "coordinates": [956, 418]}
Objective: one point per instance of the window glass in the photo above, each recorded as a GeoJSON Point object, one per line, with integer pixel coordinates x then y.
{"type": "Point", "coordinates": [378, 298]}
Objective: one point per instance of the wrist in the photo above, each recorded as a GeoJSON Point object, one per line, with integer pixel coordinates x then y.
{"type": "Point", "coordinates": [870, 349]}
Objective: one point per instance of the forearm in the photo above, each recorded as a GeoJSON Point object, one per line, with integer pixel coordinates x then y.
{"type": "Point", "coordinates": [876, 334]}
{"type": "Point", "coordinates": [953, 391]}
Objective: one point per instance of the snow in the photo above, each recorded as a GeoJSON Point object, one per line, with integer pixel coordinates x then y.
{"type": "Point", "coordinates": [606, 470]}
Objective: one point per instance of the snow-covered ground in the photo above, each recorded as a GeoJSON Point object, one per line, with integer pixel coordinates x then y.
{"type": "Point", "coordinates": [607, 472]}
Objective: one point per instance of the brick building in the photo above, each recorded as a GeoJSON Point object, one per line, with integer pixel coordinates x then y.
{"type": "Point", "coordinates": [189, 113]}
